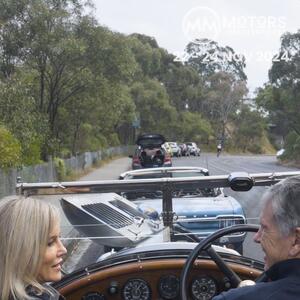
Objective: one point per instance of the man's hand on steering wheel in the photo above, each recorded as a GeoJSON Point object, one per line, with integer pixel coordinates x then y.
{"type": "Point", "coordinates": [206, 245]}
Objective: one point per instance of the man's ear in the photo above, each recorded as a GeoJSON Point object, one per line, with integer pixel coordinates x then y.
{"type": "Point", "coordinates": [295, 249]}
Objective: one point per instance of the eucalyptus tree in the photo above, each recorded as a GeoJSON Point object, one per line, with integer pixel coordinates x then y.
{"type": "Point", "coordinates": [223, 81]}
{"type": "Point", "coordinates": [285, 79]}
{"type": "Point", "coordinates": [249, 130]}
{"type": "Point", "coordinates": [223, 97]}
{"type": "Point", "coordinates": [194, 127]}
{"type": "Point", "coordinates": [152, 103]}
{"type": "Point", "coordinates": [12, 40]}
{"type": "Point", "coordinates": [208, 57]}
{"type": "Point", "coordinates": [55, 54]}
{"type": "Point", "coordinates": [113, 67]}
{"type": "Point", "coordinates": [147, 54]}
{"type": "Point", "coordinates": [184, 87]}
{"type": "Point", "coordinates": [10, 149]}
{"type": "Point", "coordinates": [280, 97]}
{"type": "Point", "coordinates": [18, 113]}
{"type": "Point", "coordinates": [38, 36]}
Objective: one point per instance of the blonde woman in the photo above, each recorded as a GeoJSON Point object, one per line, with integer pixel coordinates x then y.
{"type": "Point", "coordinates": [31, 252]}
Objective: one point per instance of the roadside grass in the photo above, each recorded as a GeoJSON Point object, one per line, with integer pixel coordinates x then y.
{"type": "Point", "coordinates": [267, 147]}
{"type": "Point", "coordinates": [261, 146]}
{"type": "Point", "coordinates": [289, 163]}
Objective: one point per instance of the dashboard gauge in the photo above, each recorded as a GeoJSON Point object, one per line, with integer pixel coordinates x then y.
{"type": "Point", "coordinates": [136, 289]}
{"type": "Point", "coordinates": [204, 288]}
{"type": "Point", "coordinates": [168, 287]}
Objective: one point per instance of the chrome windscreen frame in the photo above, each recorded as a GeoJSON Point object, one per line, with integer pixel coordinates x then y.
{"type": "Point", "coordinates": [166, 185]}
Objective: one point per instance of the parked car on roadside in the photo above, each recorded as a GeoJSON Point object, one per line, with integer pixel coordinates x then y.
{"type": "Point", "coordinates": [193, 148]}
{"type": "Point", "coordinates": [150, 153]}
{"type": "Point", "coordinates": [176, 151]}
{"type": "Point", "coordinates": [280, 153]}
{"type": "Point", "coordinates": [185, 151]}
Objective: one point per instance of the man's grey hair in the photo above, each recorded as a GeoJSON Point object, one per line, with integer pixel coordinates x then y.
{"type": "Point", "coordinates": [285, 200]}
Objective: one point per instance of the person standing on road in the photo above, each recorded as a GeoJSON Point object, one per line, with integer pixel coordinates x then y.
{"type": "Point", "coordinates": [279, 237]}
{"type": "Point", "coordinates": [31, 252]}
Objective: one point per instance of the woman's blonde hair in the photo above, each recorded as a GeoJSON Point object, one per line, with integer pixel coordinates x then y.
{"type": "Point", "coordinates": [25, 226]}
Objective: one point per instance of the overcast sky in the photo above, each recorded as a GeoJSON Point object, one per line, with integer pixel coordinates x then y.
{"type": "Point", "coordinates": [252, 28]}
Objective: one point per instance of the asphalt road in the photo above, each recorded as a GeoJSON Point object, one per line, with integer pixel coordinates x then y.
{"type": "Point", "coordinates": [250, 201]}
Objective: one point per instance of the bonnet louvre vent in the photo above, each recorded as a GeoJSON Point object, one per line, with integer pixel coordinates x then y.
{"type": "Point", "coordinates": [126, 208]}
{"type": "Point", "coordinates": [108, 215]}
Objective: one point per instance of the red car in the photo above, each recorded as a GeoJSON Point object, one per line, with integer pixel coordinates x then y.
{"type": "Point", "coordinates": [149, 153]}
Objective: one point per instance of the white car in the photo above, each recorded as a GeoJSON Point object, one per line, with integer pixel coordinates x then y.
{"type": "Point", "coordinates": [176, 151]}
{"type": "Point", "coordinates": [194, 149]}
{"type": "Point", "coordinates": [280, 153]}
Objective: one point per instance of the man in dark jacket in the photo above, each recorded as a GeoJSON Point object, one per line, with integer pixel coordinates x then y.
{"type": "Point", "coordinates": [279, 237]}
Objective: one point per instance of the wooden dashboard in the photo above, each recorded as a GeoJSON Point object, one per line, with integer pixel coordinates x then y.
{"type": "Point", "coordinates": [153, 279]}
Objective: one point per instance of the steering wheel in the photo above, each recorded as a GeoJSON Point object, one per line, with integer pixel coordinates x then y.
{"type": "Point", "coordinates": [205, 244]}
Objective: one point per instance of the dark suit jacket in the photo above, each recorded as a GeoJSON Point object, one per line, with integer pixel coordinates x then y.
{"type": "Point", "coordinates": [284, 285]}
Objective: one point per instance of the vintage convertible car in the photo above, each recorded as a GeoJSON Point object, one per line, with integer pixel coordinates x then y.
{"type": "Point", "coordinates": [152, 265]}
{"type": "Point", "coordinates": [200, 211]}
